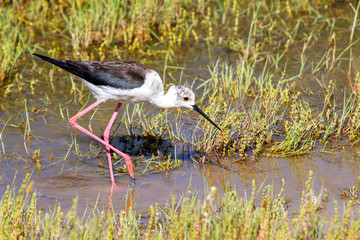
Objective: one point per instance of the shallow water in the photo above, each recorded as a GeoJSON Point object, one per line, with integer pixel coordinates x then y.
{"type": "Point", "coordinates": [68, 172]}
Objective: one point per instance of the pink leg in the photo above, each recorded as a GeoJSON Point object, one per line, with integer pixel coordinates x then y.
{"type": "Point", "coordinates": [106, 138]}
{"type": "Point", "coordinates": [108, 146]}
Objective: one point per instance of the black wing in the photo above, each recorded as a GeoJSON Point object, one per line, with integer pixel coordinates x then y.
{"type": "Point", "coordinates": [117, 74]}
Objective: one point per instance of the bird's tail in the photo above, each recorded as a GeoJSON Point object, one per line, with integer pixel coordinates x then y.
{"type": "Point", "coordinates": [58, 63]}
{"type": "Point", "coordinates": [61, 64]}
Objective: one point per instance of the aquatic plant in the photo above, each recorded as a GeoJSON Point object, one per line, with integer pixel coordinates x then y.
{"type": "Point", "coordinates": [263, 214]}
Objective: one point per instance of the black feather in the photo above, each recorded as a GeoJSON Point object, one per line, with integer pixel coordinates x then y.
{"type": "Point", "coordinates": [117, 74]}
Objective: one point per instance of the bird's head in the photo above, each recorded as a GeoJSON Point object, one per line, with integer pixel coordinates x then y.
{"type": "Point", "coordinates": [183, 96]}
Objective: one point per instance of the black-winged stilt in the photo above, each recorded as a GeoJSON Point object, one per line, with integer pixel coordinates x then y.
{"type": "Point", "coordinates": [125, 82]}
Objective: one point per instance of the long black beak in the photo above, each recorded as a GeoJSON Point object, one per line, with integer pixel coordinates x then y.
{"type": "Point", "coordinates": [196, 108]}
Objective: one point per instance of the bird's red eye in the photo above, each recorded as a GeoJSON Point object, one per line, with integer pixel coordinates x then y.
{"type": "Point", "coordinates": [186, 98]}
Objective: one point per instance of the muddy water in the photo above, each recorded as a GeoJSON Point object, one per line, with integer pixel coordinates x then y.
{"type": "Point", "coordinates": [68, 172]}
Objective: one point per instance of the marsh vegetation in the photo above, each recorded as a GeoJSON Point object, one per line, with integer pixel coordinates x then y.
{"type": "Point", "coordinates": [281, 79]}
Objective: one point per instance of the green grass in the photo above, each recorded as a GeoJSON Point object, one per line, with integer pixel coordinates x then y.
{"type": "Point", "coordinates": [262, 215]}
{"type": "Point", "coordinates": [260, 98]}
{"type": "Point", "coordinates": [258, 101]}
{"type": "Point", "coordinates": [14, 43]}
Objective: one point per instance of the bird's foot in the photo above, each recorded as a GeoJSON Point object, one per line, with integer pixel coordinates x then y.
{"type": "Point", "coordinates": [115, 187]}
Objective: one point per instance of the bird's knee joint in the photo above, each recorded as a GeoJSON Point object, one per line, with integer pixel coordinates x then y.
{"type": "Point", "coordinates": [72, 121]}
{"type": "Point", "coordinates": [107, 133]}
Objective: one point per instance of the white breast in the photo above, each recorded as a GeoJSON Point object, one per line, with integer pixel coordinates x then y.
{"type": "Point", "coordinates": [152, 87]}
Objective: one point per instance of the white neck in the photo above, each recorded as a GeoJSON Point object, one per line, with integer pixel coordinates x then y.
{"type": "Point", "coordinates": [164, 101]}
